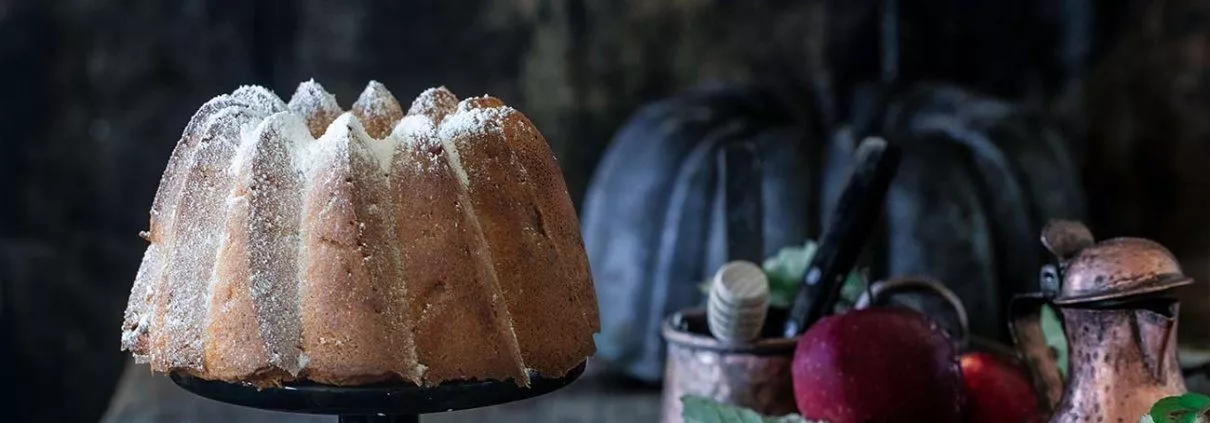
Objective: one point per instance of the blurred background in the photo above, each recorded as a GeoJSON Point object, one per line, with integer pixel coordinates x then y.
{"type": "Point", "coordinates": [1012, 111]}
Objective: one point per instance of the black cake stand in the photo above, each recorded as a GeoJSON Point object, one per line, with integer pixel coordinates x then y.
{"type": "Point", "coordinates": [378, 403]}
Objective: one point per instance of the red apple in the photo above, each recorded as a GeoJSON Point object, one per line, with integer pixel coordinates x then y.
{"type": "Point", "coordinates": [884, 364]}
{"type": "Point", "coordinates": [998, 390]}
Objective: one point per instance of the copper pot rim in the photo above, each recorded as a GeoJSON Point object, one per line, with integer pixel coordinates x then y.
{"type": "Point", "coordinates": [761, 346]}
{"type": "Point", "coordinates": [778, 346]}
{"type": "Point", "coordinates": [1161, 283]}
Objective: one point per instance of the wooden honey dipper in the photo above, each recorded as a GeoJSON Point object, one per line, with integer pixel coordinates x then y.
{"type": "Point", "coordinates": [738, 302]}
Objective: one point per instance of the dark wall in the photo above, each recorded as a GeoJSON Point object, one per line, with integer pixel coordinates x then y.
{"type": "Point", "coordinates": [1148, 144]}
{"type": "Point", "coordinates": [94, 94]}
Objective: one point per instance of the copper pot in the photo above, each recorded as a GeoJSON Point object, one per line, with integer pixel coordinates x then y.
{"type": "Point", "coordinates": [754, 375]}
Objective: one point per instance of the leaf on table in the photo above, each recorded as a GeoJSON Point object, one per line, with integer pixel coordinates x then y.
{"type": "Point", "coordinates": [697, 409]}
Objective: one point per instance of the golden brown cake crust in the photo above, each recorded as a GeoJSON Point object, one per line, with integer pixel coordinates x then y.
{"type": "Point", "coordinates": [316, 105]}
{"type": "Point", "coordinates": [181, 302]}
{"type": "Point", "coordinates": [552, 333]}
{"type": "Point", "coordinates": [140, 309]}
{"type": "Point", "coordinates": [377, 110]}
{"type": "Point", "coordinates": [557, 219]}
{"type": "Point", "coordinates": [434, 103]}
{"type": "Point", "coordinates": [275, 197]}
{"type": "Point", "coordinates": [302, 242]}
{"type": "Point", "coordinates": [344, 332]}
{"type": "Point", "coordinates": [233, 346]}
{"type": "Point", "coordinates": [451, 284]}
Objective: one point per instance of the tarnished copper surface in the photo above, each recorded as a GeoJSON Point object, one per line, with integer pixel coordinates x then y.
{"type": "Point", "coordinates": [754, 375]}
{"type": "Point", "coordinates": [1122, 362]}
{"type": "Point", "coordinates": [1110, 269]}
{"type": "Point", "coordinates": [1065, 238]}
{"type": "Point", "coordinates": [1025, 322]}
{"type": "Point", "coordinates": [1120, 327]}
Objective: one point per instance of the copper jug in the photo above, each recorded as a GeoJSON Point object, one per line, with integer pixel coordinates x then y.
{"type": "Point", "coordinates": [1120, 323]}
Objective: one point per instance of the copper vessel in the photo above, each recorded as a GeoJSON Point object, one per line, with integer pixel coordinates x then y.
{"type": "Point", "coordinates": [1119, 319]}
{"type": "Point", "coordinates": [754, 375]}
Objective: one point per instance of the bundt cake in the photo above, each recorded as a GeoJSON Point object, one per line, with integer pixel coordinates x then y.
{"type": "Point", "coordinates": [297, 241]}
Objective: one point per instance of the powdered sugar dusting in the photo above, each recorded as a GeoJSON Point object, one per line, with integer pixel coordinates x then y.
{"type": "Point", "coordinates": [467, 123]}
{"type": "Point", "coordinates": [464, 126]}
{"type": "Point", "coordinates": [248, 136]}
{"type": "Point", "coordinates": [141, 317]}
{"type": "Point", "coordinates": [436, 103]}
{"type": "Point", "coordinates": [416, 132]}
{"type": "Point", "coordinates": [316, 105]}
{"type": "Point", "coordinates": [377, 109]}
{"type": "Point", "coordinates": [459, 124]}
{"type": "Point", "coordinates": [130, 337]}
{"type": "Point", "coordinates": [373, 205]}
{"type": "Point", "coordinates": [260, 99]}
{"type": "Point", "coordinates": [292, 131]}
{"type": "Point", "coordinates": [382, 150]}
{"type": "Point", "coordinates": [200, 217]}
{"type": "Point", "coordinates": [379, 150]}
{"type": "Point", "coordinates": [276, 188]}
{"type": "Point", "coordinates": [480, 102]}
{"type": "Point", "coordinates": [330, 146]}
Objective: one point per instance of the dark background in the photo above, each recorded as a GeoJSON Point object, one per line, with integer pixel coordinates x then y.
{"type": "Point", "coordinates": [94, 94]}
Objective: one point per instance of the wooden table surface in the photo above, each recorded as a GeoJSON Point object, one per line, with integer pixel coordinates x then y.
{"type": "Point", "coordinates": [144, 397]}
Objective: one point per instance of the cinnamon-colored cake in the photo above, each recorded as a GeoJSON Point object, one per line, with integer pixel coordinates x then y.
{"type": "Point", "coordinates": [297, 241]}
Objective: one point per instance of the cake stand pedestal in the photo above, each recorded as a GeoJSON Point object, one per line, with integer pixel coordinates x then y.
{"type": "Point", "coordinates": [378, 403]}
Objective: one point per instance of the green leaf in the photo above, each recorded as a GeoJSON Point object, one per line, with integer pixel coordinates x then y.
{"type": "Point", "coordinates": [1187, 408]}
{"type": "Point", "coordinates": [855, 284]}
{"type": "Point", "coordinates": [787, 268]}
{"type": "Point", "coordinates": [697, 409]}
{"type": "Point", "coordinates": [1052, 328]}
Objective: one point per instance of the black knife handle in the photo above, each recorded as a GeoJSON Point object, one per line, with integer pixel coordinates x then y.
{"type": "Point", "coordinates": [851, 222]}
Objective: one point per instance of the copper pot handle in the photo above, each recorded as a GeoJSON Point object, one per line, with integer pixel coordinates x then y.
{"type": "Point", "coordinates": [1025, 323]}
{"type": "Point", "coordinates": [880, 292]}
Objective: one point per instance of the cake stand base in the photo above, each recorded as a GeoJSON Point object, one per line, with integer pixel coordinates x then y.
{"type": "Point", "coordinates": [412, 418]}
{"type": "Point", "coordinates": [377, 403]}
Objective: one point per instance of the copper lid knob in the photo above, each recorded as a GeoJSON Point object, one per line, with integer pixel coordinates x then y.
{"type": "Point", "coordinates": [1112, 269]}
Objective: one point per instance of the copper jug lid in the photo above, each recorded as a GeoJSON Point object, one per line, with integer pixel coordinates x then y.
{"type": "Point", "coordinates": [1111, 269]}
